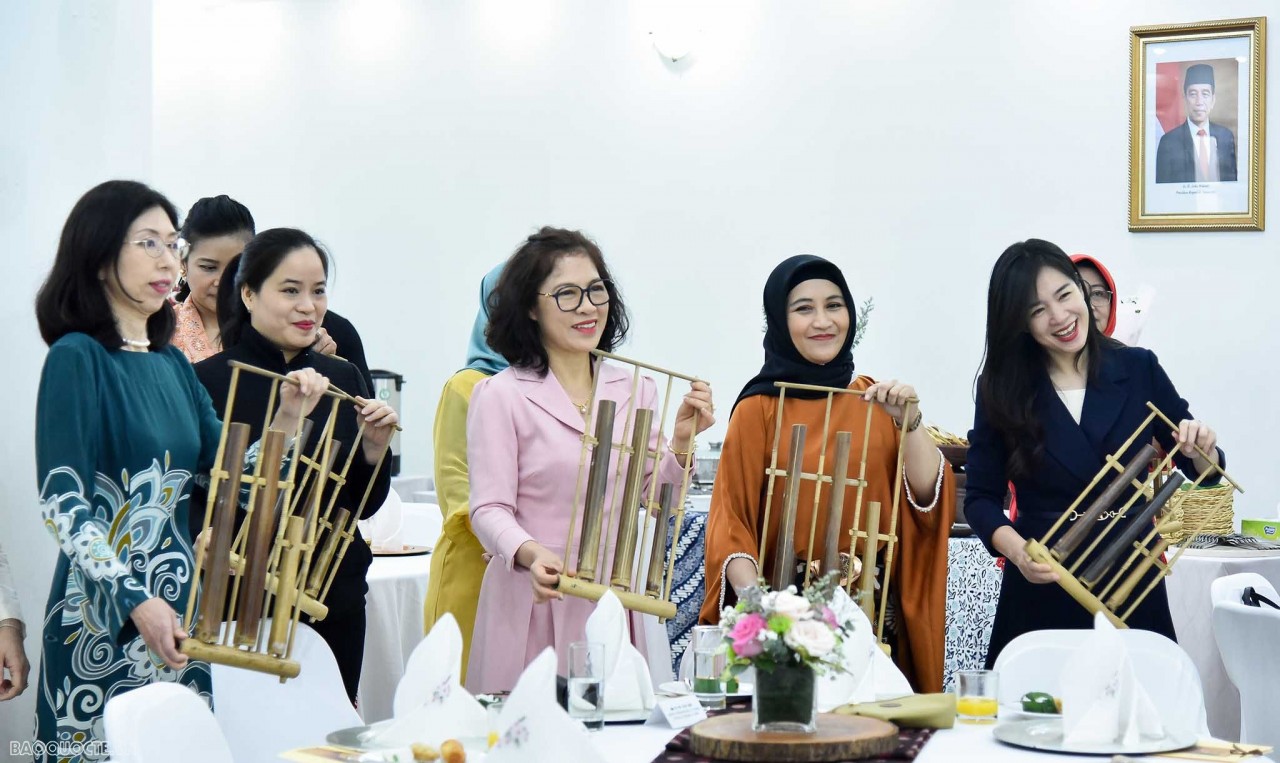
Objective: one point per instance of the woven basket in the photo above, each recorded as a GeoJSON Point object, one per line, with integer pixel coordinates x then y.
{"type": "Point", "coordinates": [1211, 506]}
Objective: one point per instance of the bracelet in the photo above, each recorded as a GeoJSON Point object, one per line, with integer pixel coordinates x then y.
{"type": "Point", "coordinates": [915, 423]}
{"type": "Point", "coordinates": [16, 625]}
{"type": "Point", "coordinates": [686, 453]}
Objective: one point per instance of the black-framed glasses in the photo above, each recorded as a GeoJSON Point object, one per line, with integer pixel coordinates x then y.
{"type": "Point", "coordinates": [153, 246]}
{"type": "Point", "coordinates": [569, 298]}
{"type": "Point", "coordinates": [1099, 296]}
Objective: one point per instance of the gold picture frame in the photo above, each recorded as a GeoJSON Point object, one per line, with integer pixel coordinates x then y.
{"type": "Point", "coordinates": [1197, 123]}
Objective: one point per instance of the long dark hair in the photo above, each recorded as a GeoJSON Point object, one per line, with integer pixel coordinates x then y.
{"type": "Point", "coordinates": [1013, 362]}
{"type": "Point", "coordinates": [252, 267]}
{"type": "Point", "coordinates": [211, 217]}
{"type": "Point", "coordinates": [511, 332]}
{"type": "Point", "coordinates": [73, 297]}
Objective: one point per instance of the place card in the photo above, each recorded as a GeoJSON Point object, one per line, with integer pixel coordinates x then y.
{"type": "Point", "coordinates": [677, 712]}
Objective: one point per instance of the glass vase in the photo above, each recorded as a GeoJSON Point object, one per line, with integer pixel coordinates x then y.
{"type": "Point", "coordinates": [785, 699]}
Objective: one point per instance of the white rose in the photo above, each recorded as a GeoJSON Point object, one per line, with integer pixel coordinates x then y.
{"type": "Point", "coordinates": [792, 606]}
{"type": "Point", "coordinates": [814, 637]}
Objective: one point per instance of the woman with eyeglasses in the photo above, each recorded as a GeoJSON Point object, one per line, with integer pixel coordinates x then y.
{"type": "Point", "coordinates": [810, 327]}
{"type": "Point", "coordinates": [1101, 290]}
{"type": "Point", "coordinates": [1055, 397]}
{"type": "Point", "coordinates": [122, 427]}
{"type": "Point", "coordinates": [275, 295]}
{"type": "Point", "coordinates": [554, 303]}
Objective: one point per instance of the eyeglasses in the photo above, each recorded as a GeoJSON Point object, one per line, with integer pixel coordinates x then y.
{"type": "Point", "coordinates": [153, 246]}
{"type": "Point", "coordinates": [1099, 296]}
{"type": "Point", "coordinates": [569, 298]}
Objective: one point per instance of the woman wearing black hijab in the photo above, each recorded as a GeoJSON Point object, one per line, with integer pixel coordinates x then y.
{"type": "Point", "coordinates": [808, 340]}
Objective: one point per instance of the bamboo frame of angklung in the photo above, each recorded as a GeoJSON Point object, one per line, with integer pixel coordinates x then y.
{"type": "Point", "coordinates": [1103, 586]}
{"type": "Point", "coordinates": [628, 572]}
{"type": "Point", "coordinates": [783, 573]}
{"type": "Point", "coordinates": [273, 556]}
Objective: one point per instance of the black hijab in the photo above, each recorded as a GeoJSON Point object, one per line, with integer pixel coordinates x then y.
{"type": "Point", "coordinates": [782, 361]}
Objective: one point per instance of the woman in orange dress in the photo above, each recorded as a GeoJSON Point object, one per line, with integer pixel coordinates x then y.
{"type": "Point", "coordinates": [808, 340]}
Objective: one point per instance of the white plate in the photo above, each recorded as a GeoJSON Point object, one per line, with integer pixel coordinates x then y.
{"type": "Point", "coordinates": [358, 738]}
{"type": "Point", "coordinates": [1046, 734]}
{"type": "Point", "coordinates": [1016, 711]}
{"type": "Point", "coordinates": [680, 687]}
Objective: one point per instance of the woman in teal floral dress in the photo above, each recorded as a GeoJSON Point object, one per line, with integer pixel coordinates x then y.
{"type": "Point", "coordinates": [122, 428]}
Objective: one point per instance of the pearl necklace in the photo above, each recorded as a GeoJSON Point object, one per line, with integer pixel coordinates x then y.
{"type": "Point", "coordinates": [582, 407]}
{"type": "Point", "coordinates": [137, 344]}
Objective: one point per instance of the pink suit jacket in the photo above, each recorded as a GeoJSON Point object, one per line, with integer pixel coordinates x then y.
{"type": "Point", "coordinates": [523, 449]}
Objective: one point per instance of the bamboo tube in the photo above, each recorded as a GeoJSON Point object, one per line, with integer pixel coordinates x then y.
{"type": "Point", "coordinates": [321, 566]}
{"type": "Point", "coordinates": [593, 511]}
{"type": "Point", "coordinates": [585, 589]}
{"type": "Point", "coordinates": [588, 419]}
{"type": "Point", "coordinates": [773, 473]}
{"type": "Point", "coordinates": [857, 502]}
{"type": "Point", "coordinates": [1076, 534]}
{"type": "Point", "coordinates": [1039, 553]}
{"type": "Point", "coordinates": [817, 493]}
{"type": "Point", "coordinates": [835, 506]}
{"type": "Point", "coordinates": [286, 593]}
{"type": "Point", "coordinates": [624, 547]}
{"type": "Point", "coordinates": [1112, 463]}
{"type": "Point", "coordinates": [308, 603]}
{"type": "Point", "coordinates": [892, 539]}
{"type": "Point", "coordinates": [315, 491]}
{"type": "Point", "coordinates": [658, 551]}
{"type": "Point", "coordinates": [784, 556]}
{"type": "Point", "coordinates": [346, 535]}
{"type": "Point", "coordinates": [238, 658]}
{"type": "Point", "coordinates": [220, 532]}
{"type": "Point", "coordinates": [611, 513]}
{"type": "Point", "coordinates": [262, 529]}
{"type": "Point", "coordinates": [1126, 588]}
{"type": "Point", "coordinates": [1119, 515]}
{"type": "Point", "coordinates": [866, 583]}
{"type": "Point", "coordinates": [1144, 522]}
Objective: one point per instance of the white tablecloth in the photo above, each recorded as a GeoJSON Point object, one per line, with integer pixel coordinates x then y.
{"type": "Point", "coordinates": [394, 612]}
{"type": "Point", "coordinates": [1191, 605]}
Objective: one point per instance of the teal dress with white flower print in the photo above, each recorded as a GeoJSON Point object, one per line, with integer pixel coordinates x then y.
{"type": "Point", "coordinates": [120, 437]}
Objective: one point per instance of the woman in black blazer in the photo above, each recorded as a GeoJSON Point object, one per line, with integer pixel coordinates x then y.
{"type": "Point", "coordinates": [276, 308]}
{"type": "Point", "coordinates": [1055, 397]}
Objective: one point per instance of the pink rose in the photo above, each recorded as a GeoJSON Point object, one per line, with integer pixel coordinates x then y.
{"type": "Point", "coordinates": [746, 635]}
{"type": "Point", "coordinates": [830, 618]}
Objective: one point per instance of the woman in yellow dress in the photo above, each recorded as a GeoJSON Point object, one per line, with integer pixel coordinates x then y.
{"type": "Point", "coordinates": [457, 562]}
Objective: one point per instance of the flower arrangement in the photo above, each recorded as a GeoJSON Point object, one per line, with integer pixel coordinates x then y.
{"type": "Point", "coordinates": [768, 629]}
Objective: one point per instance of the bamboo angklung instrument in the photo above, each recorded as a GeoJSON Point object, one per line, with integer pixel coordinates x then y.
{"type": "Point", "coordinates": [272, 562]}
{"type": "Point", "coordinates": [1101, 578]}
{"type": "Point", "coordinates": [867, 541]}
{"type": "Point", "coordinates": [642, 561]}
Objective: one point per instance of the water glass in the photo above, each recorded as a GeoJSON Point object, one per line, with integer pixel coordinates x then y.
{"type": "Point", "coordinates": [976, 697]}
{"type": "Point", "coordinates": [708, 665]}
{"type": "Point", "coordinates": [586, 683]}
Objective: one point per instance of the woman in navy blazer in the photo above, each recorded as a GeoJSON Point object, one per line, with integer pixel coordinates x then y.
{"type": "Point", "coordinates": [1055, 397]}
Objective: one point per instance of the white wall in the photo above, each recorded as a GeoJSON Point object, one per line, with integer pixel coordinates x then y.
{"type": "Point", "coordinates": [75, 85]}
{"type": "Point", "coordinates": [909, 141]}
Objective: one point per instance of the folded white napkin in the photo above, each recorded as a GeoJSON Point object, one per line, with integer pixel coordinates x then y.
{"type": "Point", "coordinates": [386, 530]}
{"type": "Point", "coordinates": [627, 684]}
{"type": "Point", "coordinates": [1102, 700]}
{"type": "Point", "coordinates": [869, 674]}
{"type": "Point", "coordinates": [430, 704]}
{"type": "Point", "coordinates": [533, 728]}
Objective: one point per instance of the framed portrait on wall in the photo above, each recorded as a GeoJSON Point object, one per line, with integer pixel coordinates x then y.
{"type": "Point", "coordinates": [1197, 99]}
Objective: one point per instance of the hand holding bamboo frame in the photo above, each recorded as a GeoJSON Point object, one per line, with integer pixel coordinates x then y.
{"type": "Point", "coordinates": [286, 554]}
{"type": "Point", "coordinates": [1095, 577]}
{"type": "Point", "coordinates": [641, 572]}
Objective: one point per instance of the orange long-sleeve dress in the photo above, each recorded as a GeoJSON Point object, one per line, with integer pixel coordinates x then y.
{"type": "Point", "coordinates": [919, 579]}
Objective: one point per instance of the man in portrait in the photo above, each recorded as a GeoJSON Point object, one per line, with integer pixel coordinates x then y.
{"type": "Point", "coordinates": [1197, 151]}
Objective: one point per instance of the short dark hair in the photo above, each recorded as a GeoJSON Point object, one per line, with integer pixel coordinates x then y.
{"type": "Point", "coordinates": [511, 332]}
{"type": "Point", "coordinates": [73, 298]}
{"type": "Point", "coordinates": [252, 267]}
{"type": "Point", "coordinates": [211, 217]}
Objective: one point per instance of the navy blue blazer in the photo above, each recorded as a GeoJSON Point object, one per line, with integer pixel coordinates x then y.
{"type": "Point", "coordinates": [1176, 155]}
{"type": "Point", "coordinates": [1115, 403]}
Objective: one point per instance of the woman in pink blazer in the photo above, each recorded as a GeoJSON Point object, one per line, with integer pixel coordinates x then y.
{"type": "Point", "coordinates": [553, 304]}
